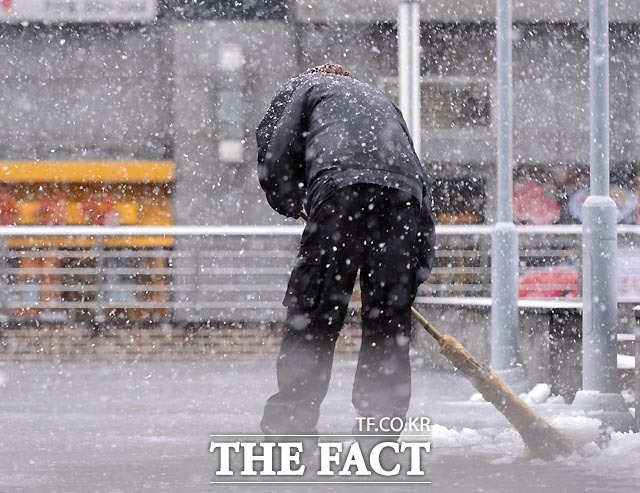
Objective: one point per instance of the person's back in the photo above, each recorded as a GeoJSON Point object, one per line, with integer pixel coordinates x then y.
{"type": "Point", "coordinates": [332, 131]}
{"type": "Point", "coordinates": [355, 133]}
{"type": "Point", "coordinates": [341, 148]}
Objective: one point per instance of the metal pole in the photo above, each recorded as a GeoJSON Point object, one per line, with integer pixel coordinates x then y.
{"type": "Point", "coordinates": [504, 248]}
{"type": "Point", "coordinates": [636, 345]}
{"type": "Point", "coordinates": [196, 301]}
{"type": "Point", "coordinates": [600, 312]}
{"type": "Point", "coordinates": [600, 396]}
{"type": "Point", "coordinates": [4, 282]}
{"type": "Point", "coordinates": [409, 67]}
{"type": "Point", "coordinates": [99, 314]}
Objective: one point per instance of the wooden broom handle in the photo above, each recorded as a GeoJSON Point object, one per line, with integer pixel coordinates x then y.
{"type": "Point", "coordinates": [426, 324]}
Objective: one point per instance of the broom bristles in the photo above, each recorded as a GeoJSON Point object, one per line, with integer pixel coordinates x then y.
{"type": "Point", "coordinates": [539, 436]}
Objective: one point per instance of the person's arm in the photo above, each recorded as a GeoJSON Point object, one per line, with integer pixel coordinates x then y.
{"type": "Point", "coordinates": [281, 148]}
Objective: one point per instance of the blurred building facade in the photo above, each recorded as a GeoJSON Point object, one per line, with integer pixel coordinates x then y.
{"type": "Point", "coordinates": [181, 91]}
{"type": "Point", "coordinates": [190, 85]}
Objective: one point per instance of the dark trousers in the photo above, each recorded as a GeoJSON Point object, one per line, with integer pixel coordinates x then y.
{"type": "Point", "coordinates": [363, 228]}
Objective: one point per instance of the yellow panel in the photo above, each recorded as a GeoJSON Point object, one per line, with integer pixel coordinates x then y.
{"type": "Point", "coordinates": [87, 172]}
{"type": "Point", "coordinates": [28, 213]}
{"type": "Point", "coordinates": [87, 242]}
{"type": "Point", "coordinates": [75, 217]}
{"type": "Point", "coordinates": [127, 213]}
{"type": "Point", "coordinates": [139, 242]}
{"type": "Point", "coordinates": [136, 204]}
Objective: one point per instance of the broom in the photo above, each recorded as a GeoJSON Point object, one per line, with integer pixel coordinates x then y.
{"type": "Point", "coordinates": [540, 437]}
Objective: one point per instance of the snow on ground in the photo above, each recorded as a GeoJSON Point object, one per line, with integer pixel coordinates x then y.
{"type": "Point", "coordinates": [612, 457]}
{"type": "Point", "coordinates": [616, 458]}
{"type": "Point", "coordinates": [540, 393]}
{"type": "Point", "coordinates": [580, 429]}
{"type": "Point", "coordinates": [442, 436]}
{"type": "Point", "coordinates": [621, 448]}
{"type": "Point", "coordinates": [78, 427]}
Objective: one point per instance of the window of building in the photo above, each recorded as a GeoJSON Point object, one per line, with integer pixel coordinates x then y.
{"type": "Point", "coordinates": [450, 103]}
{"type": "Point", "coordinates": [231, 9]}
{"type": "Point", "coordinates": [455, 104]}
{"type": "Point", "coordinates": [462, 261]}
{"type": "Point", "coordinates": [459, 201]}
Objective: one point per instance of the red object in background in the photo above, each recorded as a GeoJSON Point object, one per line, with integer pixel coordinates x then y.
{"type": "Point", "coordinates": [558, 281]}
{"type": "Point", "coordinates": [96, 211]}
{"type": "Point", "coordinates": [533, 203]}
{"type": "Point", "coordinates": [7, 4]}
{"type": "Point", "coordinates": [8, 210]}
{"type": "Point", "coordinates": [53, 212]}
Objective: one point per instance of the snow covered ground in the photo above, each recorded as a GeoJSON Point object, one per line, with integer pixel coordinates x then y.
{"type": "Point", "coordinates": [127, 427]}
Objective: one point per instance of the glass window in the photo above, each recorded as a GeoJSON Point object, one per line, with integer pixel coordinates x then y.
{"type": "Point", "coordinates": [459, 201]}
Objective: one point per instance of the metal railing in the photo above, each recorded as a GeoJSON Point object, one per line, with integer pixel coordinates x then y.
{"type": "Point", "coordinates": [235, 273]}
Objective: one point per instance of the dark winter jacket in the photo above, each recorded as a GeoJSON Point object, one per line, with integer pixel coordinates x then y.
{"type": "Point", "coordinates": [323, 132]}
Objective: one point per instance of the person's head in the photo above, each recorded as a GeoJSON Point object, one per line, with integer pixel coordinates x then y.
{"type": "Point", "coordinates": [329, 68]}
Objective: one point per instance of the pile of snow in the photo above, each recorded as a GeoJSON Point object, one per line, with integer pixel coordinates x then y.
{"type": "Point", "coordinates": [477, 397]}
{"type": "Point", "coordinates": [624, 446]}
{"type": "Point", "coordinates": [580, 429]}
{"type": "Point", "coordinates": [556, 399]}
{"type": "Point", "coordinates": [489, 440]}
{"type": "Point", "coordinates": [592, 447]}
{"type": "Point", "coordinates": [618, 456]}
{"type": "Point", "coordinates": [539, 394]}
{"type": "Point", "coordinates": [441, 436]}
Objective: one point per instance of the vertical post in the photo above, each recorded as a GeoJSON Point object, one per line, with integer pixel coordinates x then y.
{"type": "Point", "coordinates": [99, 313]}
{"type": "Point", "coordinates": [636, 345]}
{"type": "Point", "coordinates": [600, 396]}
{"type": "Point", "coordinates": [197, 282]}
{"type": "Point", "coordinates": [600, 311]}
{"type": "Point", "coordinates": [409, 67]}
{"type": "Point", "coordinates": [4, 282]}
{"type": "Point", "coordinates": [504, 248]}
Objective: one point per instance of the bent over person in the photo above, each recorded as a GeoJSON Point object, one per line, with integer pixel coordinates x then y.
{"type": "Point", "coordinates": [340, 149]}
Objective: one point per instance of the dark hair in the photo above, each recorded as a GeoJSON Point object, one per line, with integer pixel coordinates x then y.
{"type": "Point", "coordinates": [330, 68]}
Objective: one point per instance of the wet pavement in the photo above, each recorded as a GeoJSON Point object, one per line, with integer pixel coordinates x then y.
{"type": "Point", "coordinates": [129, 427]}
